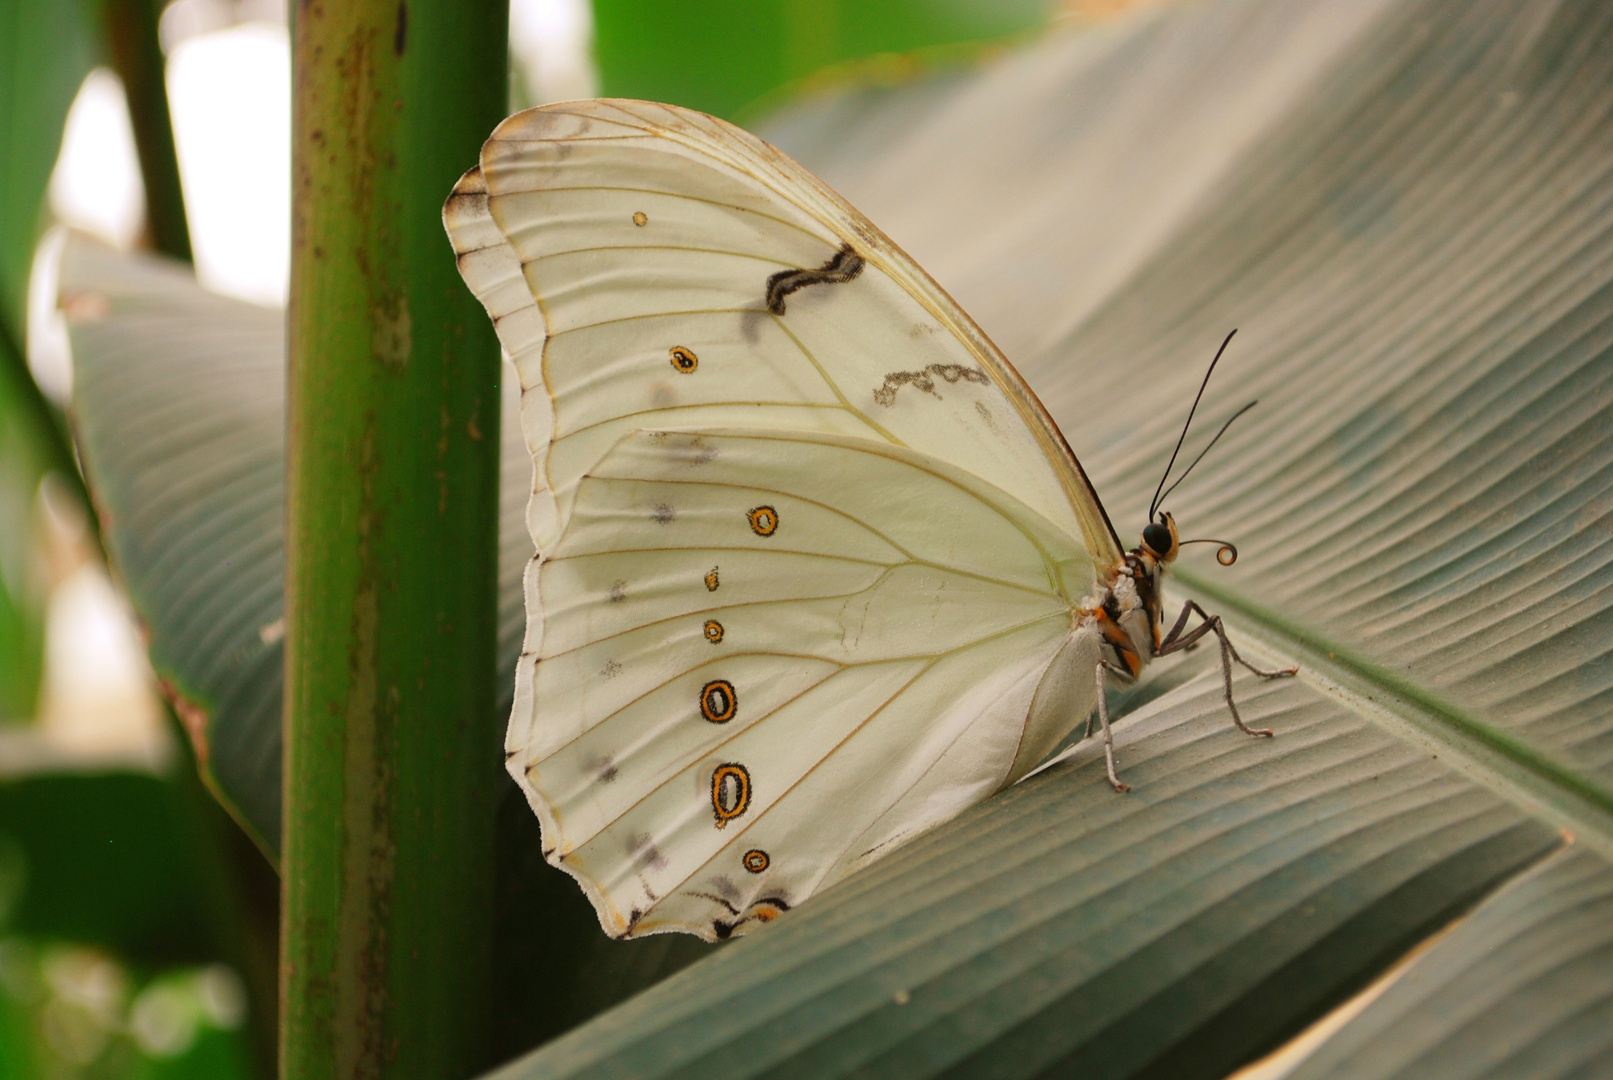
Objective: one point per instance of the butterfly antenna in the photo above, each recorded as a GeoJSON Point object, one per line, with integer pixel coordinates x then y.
{"type": "Point", "coordinates": [1206, 450]}
{"type": "Point", "coordinates": [1158, 491]}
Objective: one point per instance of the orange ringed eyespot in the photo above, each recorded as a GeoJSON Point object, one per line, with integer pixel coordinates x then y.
{"type": "Point", "coordinates": [640, 219]}
{"type": "Point", "coordinates": [756, 860]}
{"type": "Point", "coordinates": [763, 521]}
{"type": "Point", "coordinates": [684, 360]}
{"type": "Point", "coordinates": [711, 580]}
{"type": "Point", "coordinates": [718, 701]}
{"type": "Point", "coordinates": [730, 792]}
{"type": "Point", "coordinates": [713, 631]}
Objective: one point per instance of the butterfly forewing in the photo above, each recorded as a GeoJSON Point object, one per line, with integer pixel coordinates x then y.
{"type": "Point", "coordinates": [625, 212]}
{"type": "Point", "coordinates": [790, 504]}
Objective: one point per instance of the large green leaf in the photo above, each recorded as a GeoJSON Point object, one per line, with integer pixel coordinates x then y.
{"type": "Point", "coordinates": [1403, 204]}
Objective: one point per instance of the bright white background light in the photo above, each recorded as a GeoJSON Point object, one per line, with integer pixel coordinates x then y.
{"type": "Point", "coordinates": [552, 41]}
{"type": "Point", "coordinates": [230, 95]}
{"type": "Point", "coordinates": [96, 185]}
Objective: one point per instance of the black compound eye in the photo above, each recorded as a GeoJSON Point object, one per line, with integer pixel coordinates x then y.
{"type": "Point", "coordinates": [1158, 539]}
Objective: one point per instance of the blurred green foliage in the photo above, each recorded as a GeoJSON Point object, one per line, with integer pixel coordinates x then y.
{"type": "Point", "coordinates": [23, 587]}
{"type": "Point", "coordinates": [106, 933]}
{"type": "Point", "coordinates": [106, 864]}
{"type": "Point", "coordinates": [46, 48]}
{"type": "Point", "coordinates": [732, 58]}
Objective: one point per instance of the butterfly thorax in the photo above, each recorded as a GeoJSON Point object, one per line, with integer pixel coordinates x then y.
{"type": "Point", "coordinates": [1128, 613]}
{"type": "Point", "coordinates": [1125, 615]}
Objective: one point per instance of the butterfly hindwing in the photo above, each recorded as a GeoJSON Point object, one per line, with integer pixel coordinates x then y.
{"type": "Point", "coordinates": [860, 658]}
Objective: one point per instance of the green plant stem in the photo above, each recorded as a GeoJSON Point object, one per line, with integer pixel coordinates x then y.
{"type": "Point", "coordinates": [392, 751]}
{"type": "Point", "coordinates": [131, 32]}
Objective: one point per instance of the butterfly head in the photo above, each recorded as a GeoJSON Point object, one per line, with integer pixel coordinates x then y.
{"type": "Point", "coordinates": [1163, 543]}
{"type": "Point", "coordinates": [1160, 539]}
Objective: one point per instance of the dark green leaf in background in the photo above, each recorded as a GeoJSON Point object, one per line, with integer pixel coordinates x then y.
{"type": "Point", "coordinates": [724, 56]}
{"type": "Point", "coordinates": [88, 838]}
{"type": "Point", "coordinates": [23, 578]}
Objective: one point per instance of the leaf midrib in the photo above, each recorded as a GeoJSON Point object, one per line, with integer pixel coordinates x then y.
{"type": "Point", "coordinates": [1495, 758]}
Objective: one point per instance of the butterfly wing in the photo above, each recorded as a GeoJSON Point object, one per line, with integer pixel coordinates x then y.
{"type": "Point", "coordinates": [604, 235]}
{"type": "Point", "coordinates": [768, 656]}
{"type": "Point", "coordinates": [650, 268]}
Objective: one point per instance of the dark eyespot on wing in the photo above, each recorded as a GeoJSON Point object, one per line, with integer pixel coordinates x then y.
{"type": "Point", "coordinates": [845, 265]}
{"type": "Point", "coordinates": [730, 791]}
{"type": "Point", "coordinates": [718, 702]}
{"type": "Point", "coordinates": [763, 520]}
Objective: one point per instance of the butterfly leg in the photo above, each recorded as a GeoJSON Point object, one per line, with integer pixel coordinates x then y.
{"type": "Point", "coordinates": [1176, 641]}
{"type": "Point", "coordinates": [1108, 739]}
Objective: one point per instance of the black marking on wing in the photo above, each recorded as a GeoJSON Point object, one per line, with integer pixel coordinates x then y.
{"type": "Point", "coordinates": [845, 265]}
{"type": "Point", "coordinates": [732, 910]}
{"type": "Point", "coordinates": [924, 380]}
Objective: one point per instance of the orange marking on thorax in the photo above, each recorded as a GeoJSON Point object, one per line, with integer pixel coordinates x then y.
{"type": "Point", "coordinates": [1119, 640]}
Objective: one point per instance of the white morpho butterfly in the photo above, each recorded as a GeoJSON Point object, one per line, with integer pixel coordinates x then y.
{"type": "Point", "coordinates": [816, 571]}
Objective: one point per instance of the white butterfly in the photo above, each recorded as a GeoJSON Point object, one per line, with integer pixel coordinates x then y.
{"type": "Point", "coordinates": [816, 569]}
